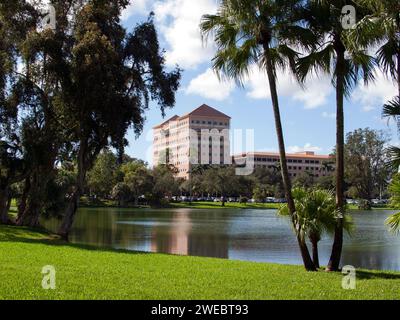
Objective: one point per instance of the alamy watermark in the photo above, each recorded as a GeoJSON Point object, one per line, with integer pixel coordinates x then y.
{"type": "Point", "coordinates": [49, 277]}
{"type": "Point", "coordinates": [350, 278]}
{"type": "Point", "coordinates": [349, 17]}
{"type": "Point", "coordinates": [48, 17]}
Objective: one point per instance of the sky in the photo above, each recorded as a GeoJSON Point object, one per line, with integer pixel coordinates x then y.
{"type": "Point", "coordinates": [308, 116]}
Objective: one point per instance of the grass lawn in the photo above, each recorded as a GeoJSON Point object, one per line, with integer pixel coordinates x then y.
{"type": "Point", "coordinates": [88, 273]}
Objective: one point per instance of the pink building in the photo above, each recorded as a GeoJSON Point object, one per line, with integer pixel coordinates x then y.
{"type": "Point", "coordinates": [199, 137]}
{"type": "Point", "coordinates": [317, 165]}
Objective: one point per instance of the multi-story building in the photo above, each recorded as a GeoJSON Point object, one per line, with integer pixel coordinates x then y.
{"type": "Point", "coordinates": [316, 165]}
{"type": "Point", "coordinates": [199, 137]}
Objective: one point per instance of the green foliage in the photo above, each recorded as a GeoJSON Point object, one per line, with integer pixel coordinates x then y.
{"type": "Point", "coordinates": [367, 173]}
{"type": "Point", "coordinates": [164, 184]}
{"type": "Point", "coordinates": [121, 193]}
{"type": "Point", "coordinates": [394, 189]}
{"type": "Point", "coordinates": [104, 174]}
{"type": "Point", "coordinates": [394, 223]}
{"type": "Point", "coordinates": [316, 212]}
{"type": "Point", "coordinates": [137, 178]}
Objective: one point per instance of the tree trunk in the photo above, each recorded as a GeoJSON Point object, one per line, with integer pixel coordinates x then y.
{"type": "Point", "coordinates": [24, 198]}
{"type": "Point", "coordinates": [314, 242]}
{"type": "Point", "coordinates": [33, 204]}
{"type": "Point", "coordinates": [69, 215]}
{"type": "Point", "coordinates": [83, 166]}
{"type": "Point", "coordinates": [398, 71]}
{"type": "Point", "coordinates": [4, 206]}
{"type": "Point", "coordinates": [308, 264]}
{"type": "Point", "coordinates": [337, 247]}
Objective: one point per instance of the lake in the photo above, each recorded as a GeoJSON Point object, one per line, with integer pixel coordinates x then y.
{"type": "Point", "coordinates": [251, 235]}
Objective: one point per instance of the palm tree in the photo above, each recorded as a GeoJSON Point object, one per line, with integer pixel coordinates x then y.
{"type": "Point", "coordinates": [345, 64]}
{"type": "Point", "coordinates": [382, 28]}
{"type": "Point", "coordinates": [257, 32]}
{"type": "Point", "coordinates": [316, 214]}
{"type": "Point", "coordinates": [394, 189]}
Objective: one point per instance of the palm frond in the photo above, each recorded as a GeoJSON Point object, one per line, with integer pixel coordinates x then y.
{"type": "Point", "coordinates": [391, 110]}
{"type": "Point", "coordinates": [315, 62]}
{"type": "Point", "coordinates": [394, 157]}
{"type": "Point", "coordinates": [386, 56]}
{"type": "Point", "coordinates": [393, 222]}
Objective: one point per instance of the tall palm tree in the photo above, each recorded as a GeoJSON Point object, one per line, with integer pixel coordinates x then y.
{"type": "Point", "coordinates": [316, 214]}
{"type": "Point", "coordinates": [257, 32]}
{"type": "Point", "coordinates": [382, 29]}
{"type": "Point", "coordinates": [345, 64]}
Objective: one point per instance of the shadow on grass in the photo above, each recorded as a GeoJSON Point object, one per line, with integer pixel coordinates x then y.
{"type": "Point", "coordinates": [369, 275]}
{"type": "Point", "coordinates": [42, 236]}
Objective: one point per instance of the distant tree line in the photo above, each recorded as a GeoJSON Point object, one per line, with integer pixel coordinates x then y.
{"type": "Point", "coordinates": [367, 177]}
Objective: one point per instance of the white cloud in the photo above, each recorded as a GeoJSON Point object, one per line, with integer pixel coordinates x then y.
{"type": "Point", "coordinates": [376, 94]}
{"type": "Point", "coordinates": [135, 7]}
{"type": "Point", "coordinates": [313, 96]}
{"type": "Point", "coordinates": [179, 21]}
{"type": "Point", "coordinates": [307, 147]}
{"type": "Point", "coordinates": [208, 86]}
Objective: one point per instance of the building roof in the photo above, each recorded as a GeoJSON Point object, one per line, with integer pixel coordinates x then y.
{"type": "Point", "coordinates": [302, 155]}
{"type": "Point", "coordinates": [202, 111]}
{"type": "Point", "coordinates": [207, 111]}
{"type": "Point", "coordinates": [174, 118]}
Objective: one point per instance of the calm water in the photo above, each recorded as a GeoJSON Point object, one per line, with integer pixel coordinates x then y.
{"type": "Point", "coordinates": [253, 235]}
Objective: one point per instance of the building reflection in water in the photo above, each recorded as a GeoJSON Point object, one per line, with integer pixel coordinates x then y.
{"type": "Point", "coordinates": [181, 238]}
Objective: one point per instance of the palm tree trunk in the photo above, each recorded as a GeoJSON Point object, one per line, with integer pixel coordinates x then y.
{"type": "Point", "coordinates": [314, 242]}
{"type": "Point", "coordinates": [398, 71]}
{"type": "Point", "coordinates": [308, 264]}
{"type": "Point", "coordinates": [337, 246]}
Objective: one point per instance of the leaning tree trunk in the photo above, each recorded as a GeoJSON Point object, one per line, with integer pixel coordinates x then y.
{"type": "Point", "coordinates": [308, 263]}
{"type": "Point", "coordinates": [334, 261]}
{"type": "Point", "coordinates": [24, 198]}
{"type": "Point", "coordinates": [4, 206]}
{"type": "Point", "coordinates": [34, 199]}
{"type": "Point", "coordinates": [84, 163]}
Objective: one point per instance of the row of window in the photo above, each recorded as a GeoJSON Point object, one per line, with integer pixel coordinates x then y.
{"type": "Point", "coordinates": [298, 168]}
{"type": "Point", "coordinates": [289, 160]}
{"type": "Point", "coordinates": [215, 123]}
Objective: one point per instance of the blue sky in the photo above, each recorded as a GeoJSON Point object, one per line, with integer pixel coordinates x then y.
{"type": "Point", "coordinates": [308, 116]}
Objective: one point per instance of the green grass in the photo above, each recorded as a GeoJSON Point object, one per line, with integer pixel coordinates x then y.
{"type": "Point", "coordinates": [88, 273]}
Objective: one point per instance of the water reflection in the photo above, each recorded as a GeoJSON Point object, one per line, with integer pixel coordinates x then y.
{"type": "Point", "coordinates": [254, 235]}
